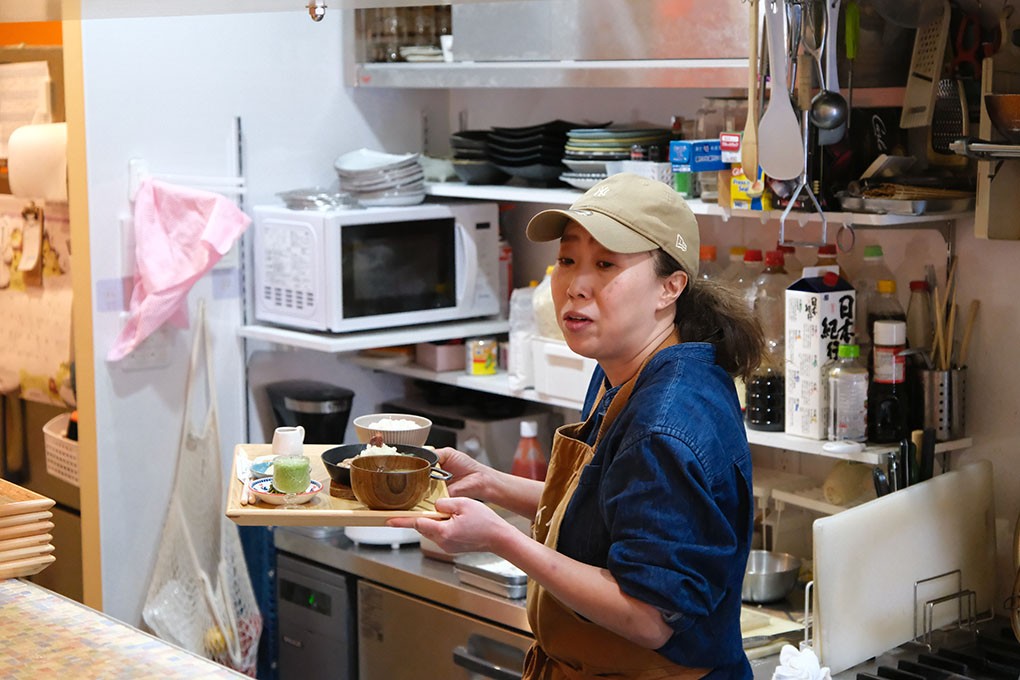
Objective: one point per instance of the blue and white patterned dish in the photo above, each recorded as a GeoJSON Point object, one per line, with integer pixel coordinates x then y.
{"type": "Point", "coordinates": [262, 488]}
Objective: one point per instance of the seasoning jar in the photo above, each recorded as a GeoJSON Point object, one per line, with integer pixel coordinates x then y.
{"type": "Point", "coordinates": [482, 356]}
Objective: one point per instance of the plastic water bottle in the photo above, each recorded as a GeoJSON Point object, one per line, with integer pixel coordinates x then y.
{"type": "Point", "coordinates": [793, 266]}
{"type": "Point", "coordinates": [736, 264]}
{"type": "Point", "coordinates": [846, 396]}
{"type": "Point", "coordinates": [766, 390]}
{"type": "Point", "coordinates": [745, 281]}
{"type": "Point", "coordinates": [529, 459]}
{"type": "Point", "coordinates": [708, 268]}
{"type": "Point", "coordinates": [865, 285]}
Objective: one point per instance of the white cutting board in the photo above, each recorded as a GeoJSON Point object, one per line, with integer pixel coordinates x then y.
{"type": "Point", "coordinates": [867, 559]}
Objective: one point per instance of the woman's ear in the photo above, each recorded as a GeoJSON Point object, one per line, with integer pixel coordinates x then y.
{"type": "Point", "coordinates": [672, 286]}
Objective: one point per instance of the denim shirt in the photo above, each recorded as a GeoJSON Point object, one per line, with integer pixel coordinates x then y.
{"type": "Point", "coordinates": [666, 504]}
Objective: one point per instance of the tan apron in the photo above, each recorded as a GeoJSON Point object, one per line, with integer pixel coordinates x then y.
{"type": "Point", "coordinates": [567, 646]}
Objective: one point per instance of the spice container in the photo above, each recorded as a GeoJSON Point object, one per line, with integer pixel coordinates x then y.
{"type": "Point", "coordinates": [481, 356]}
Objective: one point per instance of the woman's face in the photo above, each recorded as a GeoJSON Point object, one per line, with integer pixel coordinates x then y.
{"type": "Point", "coordinates": [611, 306]}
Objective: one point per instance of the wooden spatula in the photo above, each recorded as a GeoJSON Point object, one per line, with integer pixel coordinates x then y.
{"type": "Point", "coordinates": [749, 142]}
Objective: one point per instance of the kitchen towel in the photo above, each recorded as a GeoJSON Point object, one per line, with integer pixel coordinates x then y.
{"type": "Point", "coordinates": [796, 664]}
{"type": "Point", "coordinates": [180, 234]}
{"type": "Point", "coordinates": [37, 161]}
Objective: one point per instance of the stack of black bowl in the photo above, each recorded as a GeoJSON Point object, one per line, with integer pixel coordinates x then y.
{"type": "Point", "coordinates": [533, 153]}
{"type": "Point", "coordinates": [471, 159]}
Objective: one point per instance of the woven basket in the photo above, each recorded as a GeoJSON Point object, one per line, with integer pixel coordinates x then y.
{"type": "Point", "coordinates": [61, 452]}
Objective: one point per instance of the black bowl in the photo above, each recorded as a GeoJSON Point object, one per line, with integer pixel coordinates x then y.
{"type": "Point", "coordinates": [479, 172]}
{"type": "Point", "coordinates": [341, 475]}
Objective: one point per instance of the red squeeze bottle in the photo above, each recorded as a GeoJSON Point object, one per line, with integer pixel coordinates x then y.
{"type": "Point", "coordinates": [529, 461]}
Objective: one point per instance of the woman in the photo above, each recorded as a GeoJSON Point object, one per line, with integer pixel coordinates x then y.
{"type": "Point", "coordinates": [642, 528]}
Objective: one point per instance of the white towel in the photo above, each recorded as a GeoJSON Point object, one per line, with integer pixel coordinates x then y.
{"type": "Point", "coordinates": [796, 664]}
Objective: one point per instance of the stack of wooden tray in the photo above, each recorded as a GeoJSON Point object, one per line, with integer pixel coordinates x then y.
{"type": "Point", "coordinates": [25, 541]}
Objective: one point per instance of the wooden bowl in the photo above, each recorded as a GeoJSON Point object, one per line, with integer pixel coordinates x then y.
{"type": "Point", "coordinates": [1004, 112]}
{"type": "Point", "coordinates": [390, 482]}
{"type": "Point", "coordinates": [337, 460]}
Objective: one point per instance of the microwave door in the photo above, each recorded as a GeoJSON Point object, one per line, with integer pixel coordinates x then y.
{"type": "Point", "coordinates": [467, 252]}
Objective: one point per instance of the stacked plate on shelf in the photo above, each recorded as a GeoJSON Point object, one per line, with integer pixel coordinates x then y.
{"type": "Point", "coordinates": [375, 178]}
{"type": "Point", "coordinates": [25, 539]}
{"type": "Point", "coordinates": [587, 150]}
{"type": "Point", "coordinates": [534, 153]}
{"type": "Point", "coordinates": [471, 158]}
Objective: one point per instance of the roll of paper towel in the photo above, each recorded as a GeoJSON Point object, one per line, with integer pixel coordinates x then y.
{"type": "Point", "coordinates": [37, 161]}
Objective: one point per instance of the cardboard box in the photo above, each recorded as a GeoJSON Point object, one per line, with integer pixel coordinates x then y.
{"type": "Point", "coordinates": [696, 155]}
{"type": "Point", "coordinates": [819, 316]}
{"type": "Point", "coordinates": [440, 357]}
{"type": "Point", "coordinates": [740, 185]}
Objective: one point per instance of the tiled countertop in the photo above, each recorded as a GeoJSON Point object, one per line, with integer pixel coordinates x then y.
{"type": "Point", "coordinates": [45, 635]}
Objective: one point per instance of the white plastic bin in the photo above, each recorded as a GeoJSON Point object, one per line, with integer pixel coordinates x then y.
{"type": "Point", "coordinates": [559, 371]}
{"type": "Point", "coordinates": [61, 452]}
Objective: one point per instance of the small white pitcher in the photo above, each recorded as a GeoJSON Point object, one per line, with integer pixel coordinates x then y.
{"type": "Point", "coordinates": [288, 441]}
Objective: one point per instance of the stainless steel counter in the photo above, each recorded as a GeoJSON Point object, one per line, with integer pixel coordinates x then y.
{"type": "Point", "coordinates": [405, 569]}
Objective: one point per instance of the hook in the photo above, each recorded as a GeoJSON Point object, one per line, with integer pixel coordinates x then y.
{"type": "Point", "coordinates": [317, 9]}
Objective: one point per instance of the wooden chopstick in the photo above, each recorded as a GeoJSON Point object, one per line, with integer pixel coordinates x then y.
{"type": "Point", "coordinates": [967, 328]}
{"type": "Point", "coordinates": [936, 348]}
{"type": "Point", "coordinates": [947, 346]}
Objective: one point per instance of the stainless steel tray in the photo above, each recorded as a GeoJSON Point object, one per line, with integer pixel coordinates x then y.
{"type": "Point", "coordinates": [512, 592]}
{"type": "Point", "coordinates": [894, 206]}
{"type": "Point", "coordinates": [492, 567]}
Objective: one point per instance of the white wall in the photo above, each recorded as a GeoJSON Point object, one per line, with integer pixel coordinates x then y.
{"type": "Point", "coordinates": [167, 90]}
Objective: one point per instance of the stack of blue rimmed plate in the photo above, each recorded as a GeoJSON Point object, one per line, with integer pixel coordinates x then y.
{"type": "Point", "coordinates": [588, 149]}
{"type": "Point", "coordinates": [534, 153]}
{"type": "Point", "coordinates": [375, 178]}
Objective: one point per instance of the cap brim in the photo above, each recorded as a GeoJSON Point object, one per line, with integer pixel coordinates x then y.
{"type": "Point", "coordinates": [549, 225]}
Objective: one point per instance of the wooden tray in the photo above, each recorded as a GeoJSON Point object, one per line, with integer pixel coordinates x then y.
{"type": "Point", "coordinates": [334, 506]}
{"type": "Point", "coordinates": [25, 567]}
{"type": "Point", "coordinates": [16, 500]}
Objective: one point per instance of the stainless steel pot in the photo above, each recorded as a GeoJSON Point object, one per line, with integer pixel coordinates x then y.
{"type": "Point", "coordinates": [770, 576]}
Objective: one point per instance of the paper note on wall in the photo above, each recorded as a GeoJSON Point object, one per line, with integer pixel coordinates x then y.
{"type": "Point", "coordinates": [35, 336]}
{"type": "Point", "coordinates": [24, 97]}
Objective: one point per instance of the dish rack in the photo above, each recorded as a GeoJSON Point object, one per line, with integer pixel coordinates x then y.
{"type": "Point", "coordinates": [61, 452]}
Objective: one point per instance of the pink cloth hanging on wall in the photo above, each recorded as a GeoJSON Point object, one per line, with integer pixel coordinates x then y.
{"type": "Point", "coordinates": [180, 234]}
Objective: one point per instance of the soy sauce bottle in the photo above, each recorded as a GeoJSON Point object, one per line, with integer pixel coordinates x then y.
{"type": "Point", "coordinates": [888, 391]}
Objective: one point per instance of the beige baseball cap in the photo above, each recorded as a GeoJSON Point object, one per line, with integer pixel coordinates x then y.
{"type": "Point", "coordinates": [628, 213]}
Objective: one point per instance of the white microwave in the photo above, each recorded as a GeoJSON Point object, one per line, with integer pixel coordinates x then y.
{"type": "Point", "coordinates": [361, 269]}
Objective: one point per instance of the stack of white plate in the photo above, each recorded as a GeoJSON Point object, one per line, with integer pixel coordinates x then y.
{"type": "Point", "coordinates": [25, 539]}
{"type": "Point", "coordinates": [375, 178]}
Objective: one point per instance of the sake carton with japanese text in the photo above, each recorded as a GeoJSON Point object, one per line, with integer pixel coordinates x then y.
{"type": "Point", "coordinates": [819, 316]}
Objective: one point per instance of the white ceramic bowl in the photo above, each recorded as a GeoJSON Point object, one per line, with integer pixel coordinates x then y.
{"type": "Point", "coordinates": [365, 425]}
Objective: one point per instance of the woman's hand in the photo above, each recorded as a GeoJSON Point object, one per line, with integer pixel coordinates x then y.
{"type": "Point", "coordinates": [470, 478]}
{"type": "Point", "coordinates": [472, 526]}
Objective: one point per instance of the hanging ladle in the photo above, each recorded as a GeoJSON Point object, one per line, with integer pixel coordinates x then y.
{"type": "Point", "coordinates": [828, 108]}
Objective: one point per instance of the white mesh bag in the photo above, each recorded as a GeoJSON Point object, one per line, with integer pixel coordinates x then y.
{"type": "Point", "coordinates": [201, 596]}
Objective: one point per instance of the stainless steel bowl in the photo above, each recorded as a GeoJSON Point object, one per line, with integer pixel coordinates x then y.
{"type": "Point", "coordinates": [770, 576]}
